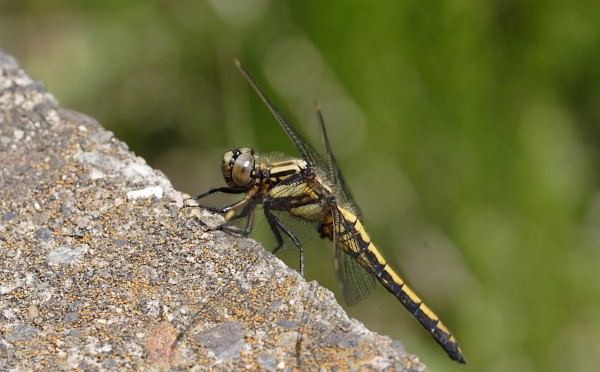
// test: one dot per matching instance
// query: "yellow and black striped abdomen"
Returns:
(354, 241)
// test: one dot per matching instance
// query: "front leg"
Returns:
(228, 210)
(240, 209)
(247, 212)
(225, 190)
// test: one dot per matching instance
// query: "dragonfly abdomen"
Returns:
(428, 319)
(369, 257)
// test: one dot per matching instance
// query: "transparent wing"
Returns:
(333, 171)
(306, 151)
(355, 280)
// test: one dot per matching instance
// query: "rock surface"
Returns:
(101, 266)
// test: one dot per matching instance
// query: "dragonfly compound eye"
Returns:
(237, 167)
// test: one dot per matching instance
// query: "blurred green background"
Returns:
(468, 131)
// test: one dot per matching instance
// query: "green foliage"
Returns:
(468, 131)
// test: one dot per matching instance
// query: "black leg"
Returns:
(228, 208)
(224, 189)
(273, 224)
(276, 227)
(247, 212)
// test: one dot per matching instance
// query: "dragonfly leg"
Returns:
(246, 201)
(247, 212)
(225, 190)
(277, 227)
(246, 204)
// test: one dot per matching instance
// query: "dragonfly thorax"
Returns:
(237, 167)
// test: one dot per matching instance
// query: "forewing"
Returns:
(355, 281)
(305, 150)
(333, 171)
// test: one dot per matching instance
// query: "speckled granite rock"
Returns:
(102, 268)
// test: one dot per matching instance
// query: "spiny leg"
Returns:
(224, 189)
(246, 201)
(247, 212)
(276, 227)
(229, 210)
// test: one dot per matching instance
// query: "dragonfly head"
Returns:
(238, 167)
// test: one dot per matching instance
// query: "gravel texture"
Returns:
(103, 268)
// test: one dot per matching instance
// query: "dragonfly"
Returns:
(311, 188)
